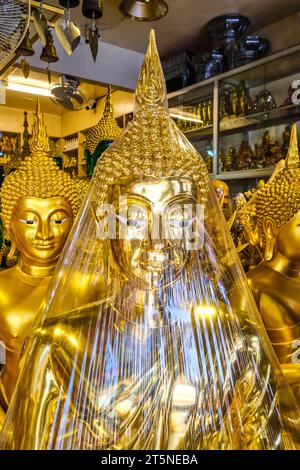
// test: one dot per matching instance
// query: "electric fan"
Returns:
(14, 22)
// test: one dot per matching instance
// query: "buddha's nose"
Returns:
(44, 232)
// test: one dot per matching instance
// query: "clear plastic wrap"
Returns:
(150, 338)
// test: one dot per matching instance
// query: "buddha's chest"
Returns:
(280, 311)
(19, 305)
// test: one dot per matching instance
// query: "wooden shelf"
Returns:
(245, 174)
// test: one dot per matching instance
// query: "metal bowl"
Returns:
(224, 29)
(253, 48)
(209, 64)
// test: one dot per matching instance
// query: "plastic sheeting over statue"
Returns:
(165, 348)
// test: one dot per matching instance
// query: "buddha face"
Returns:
(40, 228)
(155, 221)
(288, 239)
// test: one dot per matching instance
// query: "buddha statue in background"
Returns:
(160, 359)
(275, 282)
(223, 195)
(101, 136)
(39, 203)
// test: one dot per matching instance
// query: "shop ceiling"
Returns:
(183, 28)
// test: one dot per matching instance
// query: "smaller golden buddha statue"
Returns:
(204, 113)
(101, 136)
(235, 104)
(39, 203)
(229, 162)
(243, 98)
(245, 156)
(209, 112)
(223, 195)
(275, 282)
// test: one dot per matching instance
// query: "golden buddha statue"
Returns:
(39, 203)
(275, 282)
(223, 195)
(101, 136)
(159, 358)
(235, 103)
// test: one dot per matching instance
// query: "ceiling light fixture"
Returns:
(144, 10)
(30, 89)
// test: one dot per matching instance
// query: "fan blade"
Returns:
(41, 26)
(80, 99)
(93, 41)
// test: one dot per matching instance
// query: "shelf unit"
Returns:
(76, 154)
(276, 73)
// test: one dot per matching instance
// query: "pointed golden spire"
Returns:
(39, 143)
(108, 109)
(151, 86)
(292, 159)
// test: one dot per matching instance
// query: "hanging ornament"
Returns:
(25, 49)
(40, 23)
(93, 9)
(67, 32)
(94, 36)
(69, 3)
(49, 54)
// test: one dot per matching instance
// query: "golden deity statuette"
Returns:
(275, 282)
(223, 195)
(155, 355)
(39, 203)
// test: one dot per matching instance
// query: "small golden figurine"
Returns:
(199, 114)
(245, 156)
(205, 113)
(39, 203)
(230, 161)
(209, 112)
(223, 195)
(235, 104)
(275, 282)
(243, 98)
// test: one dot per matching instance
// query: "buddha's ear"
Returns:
(269, 227)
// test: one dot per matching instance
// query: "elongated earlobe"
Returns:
(269, 231)
(11, 254)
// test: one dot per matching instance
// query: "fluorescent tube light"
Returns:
(33, 90)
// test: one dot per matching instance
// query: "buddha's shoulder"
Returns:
(262, 277)
(7, 275)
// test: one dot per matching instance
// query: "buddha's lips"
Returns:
(41, 246)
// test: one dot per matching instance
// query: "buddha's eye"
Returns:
(59, 221)
(181, 223)
(29, 222)
(130, 222)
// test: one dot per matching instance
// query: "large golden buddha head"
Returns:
(39, 202)
(278, 208)
(154, 180)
